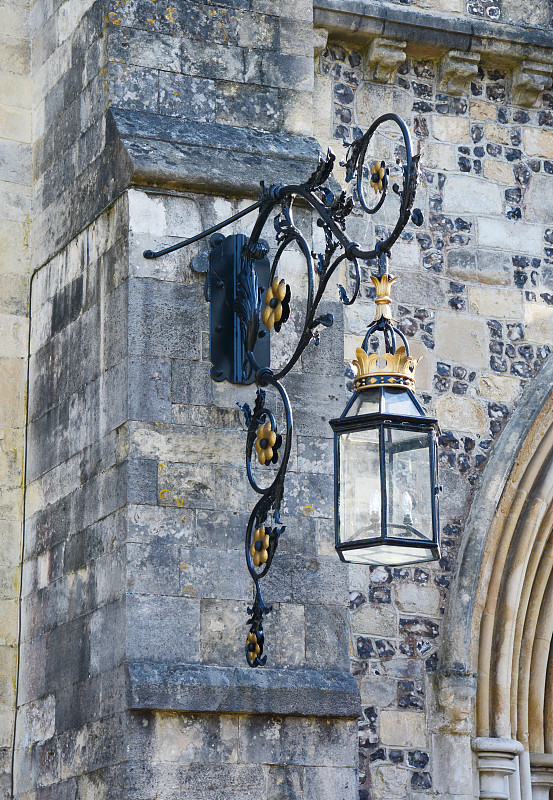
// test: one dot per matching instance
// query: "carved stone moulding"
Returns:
(457, 69)
(530, 78)
(384, 56)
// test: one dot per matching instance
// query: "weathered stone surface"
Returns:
(240, 690)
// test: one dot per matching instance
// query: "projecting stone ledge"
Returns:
(180, 154)
(240, 690)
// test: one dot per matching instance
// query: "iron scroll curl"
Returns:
(255, 308)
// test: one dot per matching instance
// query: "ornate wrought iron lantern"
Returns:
(385, 465)
(386, 509)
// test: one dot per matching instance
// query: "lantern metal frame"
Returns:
(261, 304)
(383, 421)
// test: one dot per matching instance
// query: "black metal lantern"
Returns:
(385, 467)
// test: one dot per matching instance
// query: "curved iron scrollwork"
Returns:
(271, 308)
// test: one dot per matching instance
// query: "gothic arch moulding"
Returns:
(499, 621)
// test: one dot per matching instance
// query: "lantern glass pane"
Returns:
(366, 402)
(360, 488)
(399, 401)
(408, 484)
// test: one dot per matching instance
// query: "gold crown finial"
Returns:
(398, 369)
(383, 300)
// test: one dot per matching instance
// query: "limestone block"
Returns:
(538, 142)
(417, 598)
(12, 391)
(403, 729)
(187, 444)
(440, 156)
(375, 621)
(461, 414)
(324, 782)
(6, 727)
(390, 781)
(495, 303)
(184, 738)
(15, 123)
(320, 37)
(465, 194)
(497, 133)
(499, 388)
(530, 78)
(510, 234)
(538, 320)
(383, 58)
(538, 198)
(498, 171)
(456, 71)
(460, 341)
(480, 110)
(37, 721)
(452, 759)
(483, 266)
(165, 629)
(382, 692)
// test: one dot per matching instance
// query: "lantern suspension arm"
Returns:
(250, 300)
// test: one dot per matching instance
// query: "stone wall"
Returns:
(474, 300)
(15, 215)
(132, 679)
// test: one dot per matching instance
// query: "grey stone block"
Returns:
(149, 389)
(134, 87)
(319, 580)
(165, 319)
(141, 480)
(243, 105)
(299, 692)
(153, 568)
(216, 574)
(161, 524)
(68, 654)
(285, 783)
(165, 629)
(219, 62)
(221, 529)
(116, 325)
(132, 47)
(180, 95)
(326, 636)
(77, 705)
(107, 642)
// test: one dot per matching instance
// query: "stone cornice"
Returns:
(360, 21)
(240, 690)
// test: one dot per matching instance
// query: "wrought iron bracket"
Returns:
(226, 343)
(250, 297)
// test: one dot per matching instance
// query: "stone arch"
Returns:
(499, 623)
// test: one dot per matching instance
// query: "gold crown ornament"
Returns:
(398, 369)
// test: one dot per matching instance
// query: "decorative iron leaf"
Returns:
(323, 171)
(248, 303)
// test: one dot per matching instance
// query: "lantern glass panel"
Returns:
(400, 402)
(366, 402)
(409, 490)
(361, 500)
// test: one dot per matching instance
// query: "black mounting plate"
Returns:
(226, 348)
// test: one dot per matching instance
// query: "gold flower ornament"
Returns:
(252, 647)
(259, 550)
(267, 444)
(277, 305)
(378, 176)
